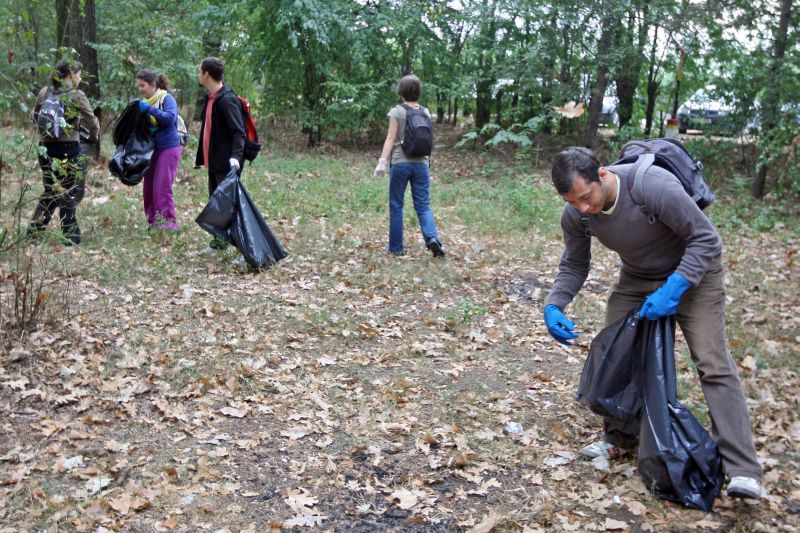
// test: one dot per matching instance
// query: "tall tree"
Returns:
(484, 75)
(631, 38)
(76, 25)
(771, 103)
(603, 62)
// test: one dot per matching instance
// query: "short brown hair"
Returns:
(214, 66)
(409, 88)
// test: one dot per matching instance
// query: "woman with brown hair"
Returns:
(162, 110)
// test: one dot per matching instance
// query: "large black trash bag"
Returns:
(611, 381)
(134, 144)
(231, 215)
(677, 458)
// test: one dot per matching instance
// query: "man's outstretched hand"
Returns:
(560, 327)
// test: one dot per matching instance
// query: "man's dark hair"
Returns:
(409, 88)
(214, 66)
(574, 160)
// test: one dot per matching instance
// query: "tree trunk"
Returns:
(310, 99)
(486, 80)
(455, 112)
(653, 84)
(483, 100)
(629, 70)
(212, 45)
(76, 27)
(499, 107)
(440, 98)
(601, 82)
(770, 104)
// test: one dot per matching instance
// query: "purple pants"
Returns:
(157, 194)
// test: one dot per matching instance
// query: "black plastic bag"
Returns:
(134, 145)
(132, 159)
(130, 121)
(231, 215)
(677, 458)
(612, 374)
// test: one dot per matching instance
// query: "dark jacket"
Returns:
(227, 132)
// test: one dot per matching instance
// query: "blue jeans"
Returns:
(400, 175)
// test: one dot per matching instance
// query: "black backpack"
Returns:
(50, 116)
(670, 155)
(418, 133)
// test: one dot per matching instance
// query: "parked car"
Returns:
(789, 113)
(705, 112)
(608, 115)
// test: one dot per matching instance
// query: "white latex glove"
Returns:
(380, 170)
(234, 163)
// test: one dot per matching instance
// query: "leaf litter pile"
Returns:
(348, 390)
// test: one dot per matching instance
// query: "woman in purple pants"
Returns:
(162, 109)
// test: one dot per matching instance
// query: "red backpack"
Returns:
(251, 145)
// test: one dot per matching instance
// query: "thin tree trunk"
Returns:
(770, 108)
(601, 83)
(653, 85)
(76, 27)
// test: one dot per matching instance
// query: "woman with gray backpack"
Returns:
(59, 111)
(407, 149)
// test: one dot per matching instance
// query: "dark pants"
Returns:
(215, 178)
(701, 317)
(64, 183)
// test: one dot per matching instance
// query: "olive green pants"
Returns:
(701, 317)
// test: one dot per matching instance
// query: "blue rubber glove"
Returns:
(664, 302)
(143, 106)
(560, 327)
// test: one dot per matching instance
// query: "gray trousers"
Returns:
(701, 317)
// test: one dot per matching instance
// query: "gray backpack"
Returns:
(50, 116)
(673, 157)
(668, 154)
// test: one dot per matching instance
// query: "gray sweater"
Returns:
(682, 238)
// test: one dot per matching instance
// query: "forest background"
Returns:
(327, 68)
(145, 386)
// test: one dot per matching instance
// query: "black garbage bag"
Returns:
(130, 121)
(677, 458)
(134, 144)
(231, 215)
(611, 381)
(132, 159)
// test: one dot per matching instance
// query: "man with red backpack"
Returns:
(222, 131)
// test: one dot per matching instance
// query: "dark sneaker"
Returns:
(436, 248)
(33, 233)
(72, 235)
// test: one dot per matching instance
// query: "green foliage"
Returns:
(465, 313)
(328, 68)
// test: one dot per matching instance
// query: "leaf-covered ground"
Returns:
(346, 389)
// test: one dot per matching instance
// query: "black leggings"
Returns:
(63, 168)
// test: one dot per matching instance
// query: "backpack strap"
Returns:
(638, 170)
